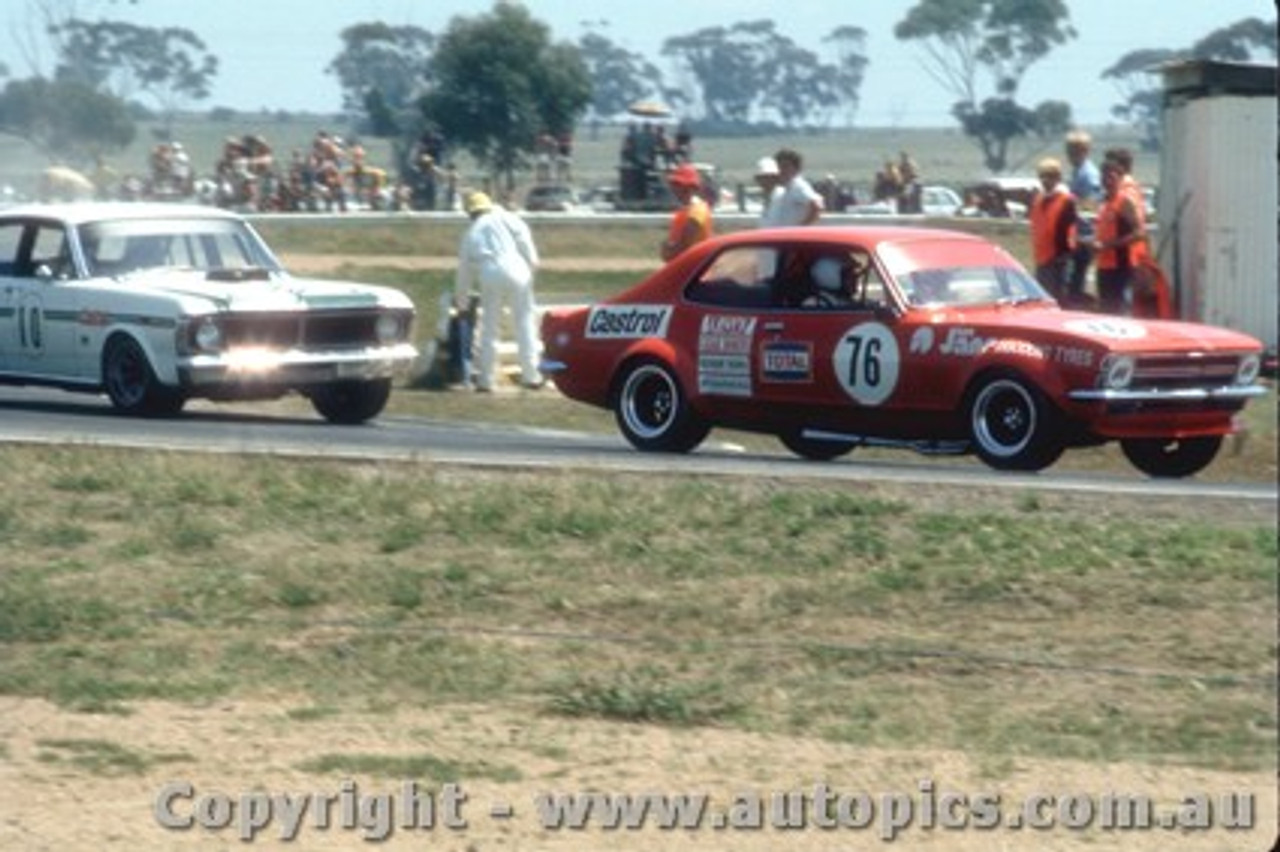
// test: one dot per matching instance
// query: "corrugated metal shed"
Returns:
(1218, 201)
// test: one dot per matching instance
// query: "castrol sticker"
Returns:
(622, 322)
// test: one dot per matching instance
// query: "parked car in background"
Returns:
(154, 304)
(940, 201)
(553, 198)
(1000, 197)
(837, 337)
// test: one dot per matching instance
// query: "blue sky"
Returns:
(273, 52)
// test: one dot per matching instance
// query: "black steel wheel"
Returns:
(1173, 458)
(1012, 425)
(653, 412)
(351, 403)
(131, 383)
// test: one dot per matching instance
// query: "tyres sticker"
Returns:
(867, 362)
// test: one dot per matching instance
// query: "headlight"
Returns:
(1117, 372)
(1247, 372)
(208, 336)
(387, 328)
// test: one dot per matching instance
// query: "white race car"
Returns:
(154, 304)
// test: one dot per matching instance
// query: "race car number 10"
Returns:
(866, 362)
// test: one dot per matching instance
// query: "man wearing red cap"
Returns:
(691, 223)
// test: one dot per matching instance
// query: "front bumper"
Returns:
(292, 368)
(1174, 396)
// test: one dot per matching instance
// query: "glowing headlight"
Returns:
(1117, 371)
(1247, 372)
(387, 328)
(208, 336)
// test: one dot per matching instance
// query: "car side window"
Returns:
(825, 280)
(732, 280)
(10, 242)
(49, 251)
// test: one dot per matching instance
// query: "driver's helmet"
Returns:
(827, 274)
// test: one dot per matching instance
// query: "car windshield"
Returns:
(970, 285)
(967, 272)
(124, 246)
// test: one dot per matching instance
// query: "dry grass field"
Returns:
(268, 626)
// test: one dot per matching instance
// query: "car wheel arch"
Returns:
(1019, 356)
(650, 347)
(110, 338)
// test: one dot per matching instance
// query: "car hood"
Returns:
(276, 291)
(1117, 334)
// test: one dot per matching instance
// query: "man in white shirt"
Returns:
(498, 253)
(798, 203)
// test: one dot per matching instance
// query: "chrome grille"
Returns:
(324, 330)
(1182, 371)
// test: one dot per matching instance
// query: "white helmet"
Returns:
(826, 273)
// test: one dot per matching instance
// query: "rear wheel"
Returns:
(351, 402)
(652, 411)
(1173, 458)
(813, 449)
(131, 383)
(1012, 425)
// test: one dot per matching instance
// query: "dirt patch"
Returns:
(242, 747)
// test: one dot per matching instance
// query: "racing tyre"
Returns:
(1012, 425)
(653, 412)
(351, 402)
(1174, 458)
(814, 450)
(131, 383)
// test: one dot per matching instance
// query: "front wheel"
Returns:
(1012, 425)
(815, 450)
(1173, 458)
(131, 383)
(351, 402)
(652, 411)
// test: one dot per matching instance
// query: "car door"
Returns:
(11, 353)
(53, 308)
(832, 348)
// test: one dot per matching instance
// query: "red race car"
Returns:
(835, 337)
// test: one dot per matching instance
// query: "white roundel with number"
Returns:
(867, 362)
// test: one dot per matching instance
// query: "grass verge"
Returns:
(869, 614)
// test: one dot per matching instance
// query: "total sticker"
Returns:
(867, 363)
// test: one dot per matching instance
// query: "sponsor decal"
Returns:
(726, 334)
(724, 354)
(1073, 356)
(963, 342)
(725, 375)
(867, 363)
(93, 318)
(921, 341)
(624, 322)
(1113, 327)
(1021, 348)
(786, 361)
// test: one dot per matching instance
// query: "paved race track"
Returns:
(50, 416)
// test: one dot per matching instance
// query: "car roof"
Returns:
(868, 236)
(82, 212)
